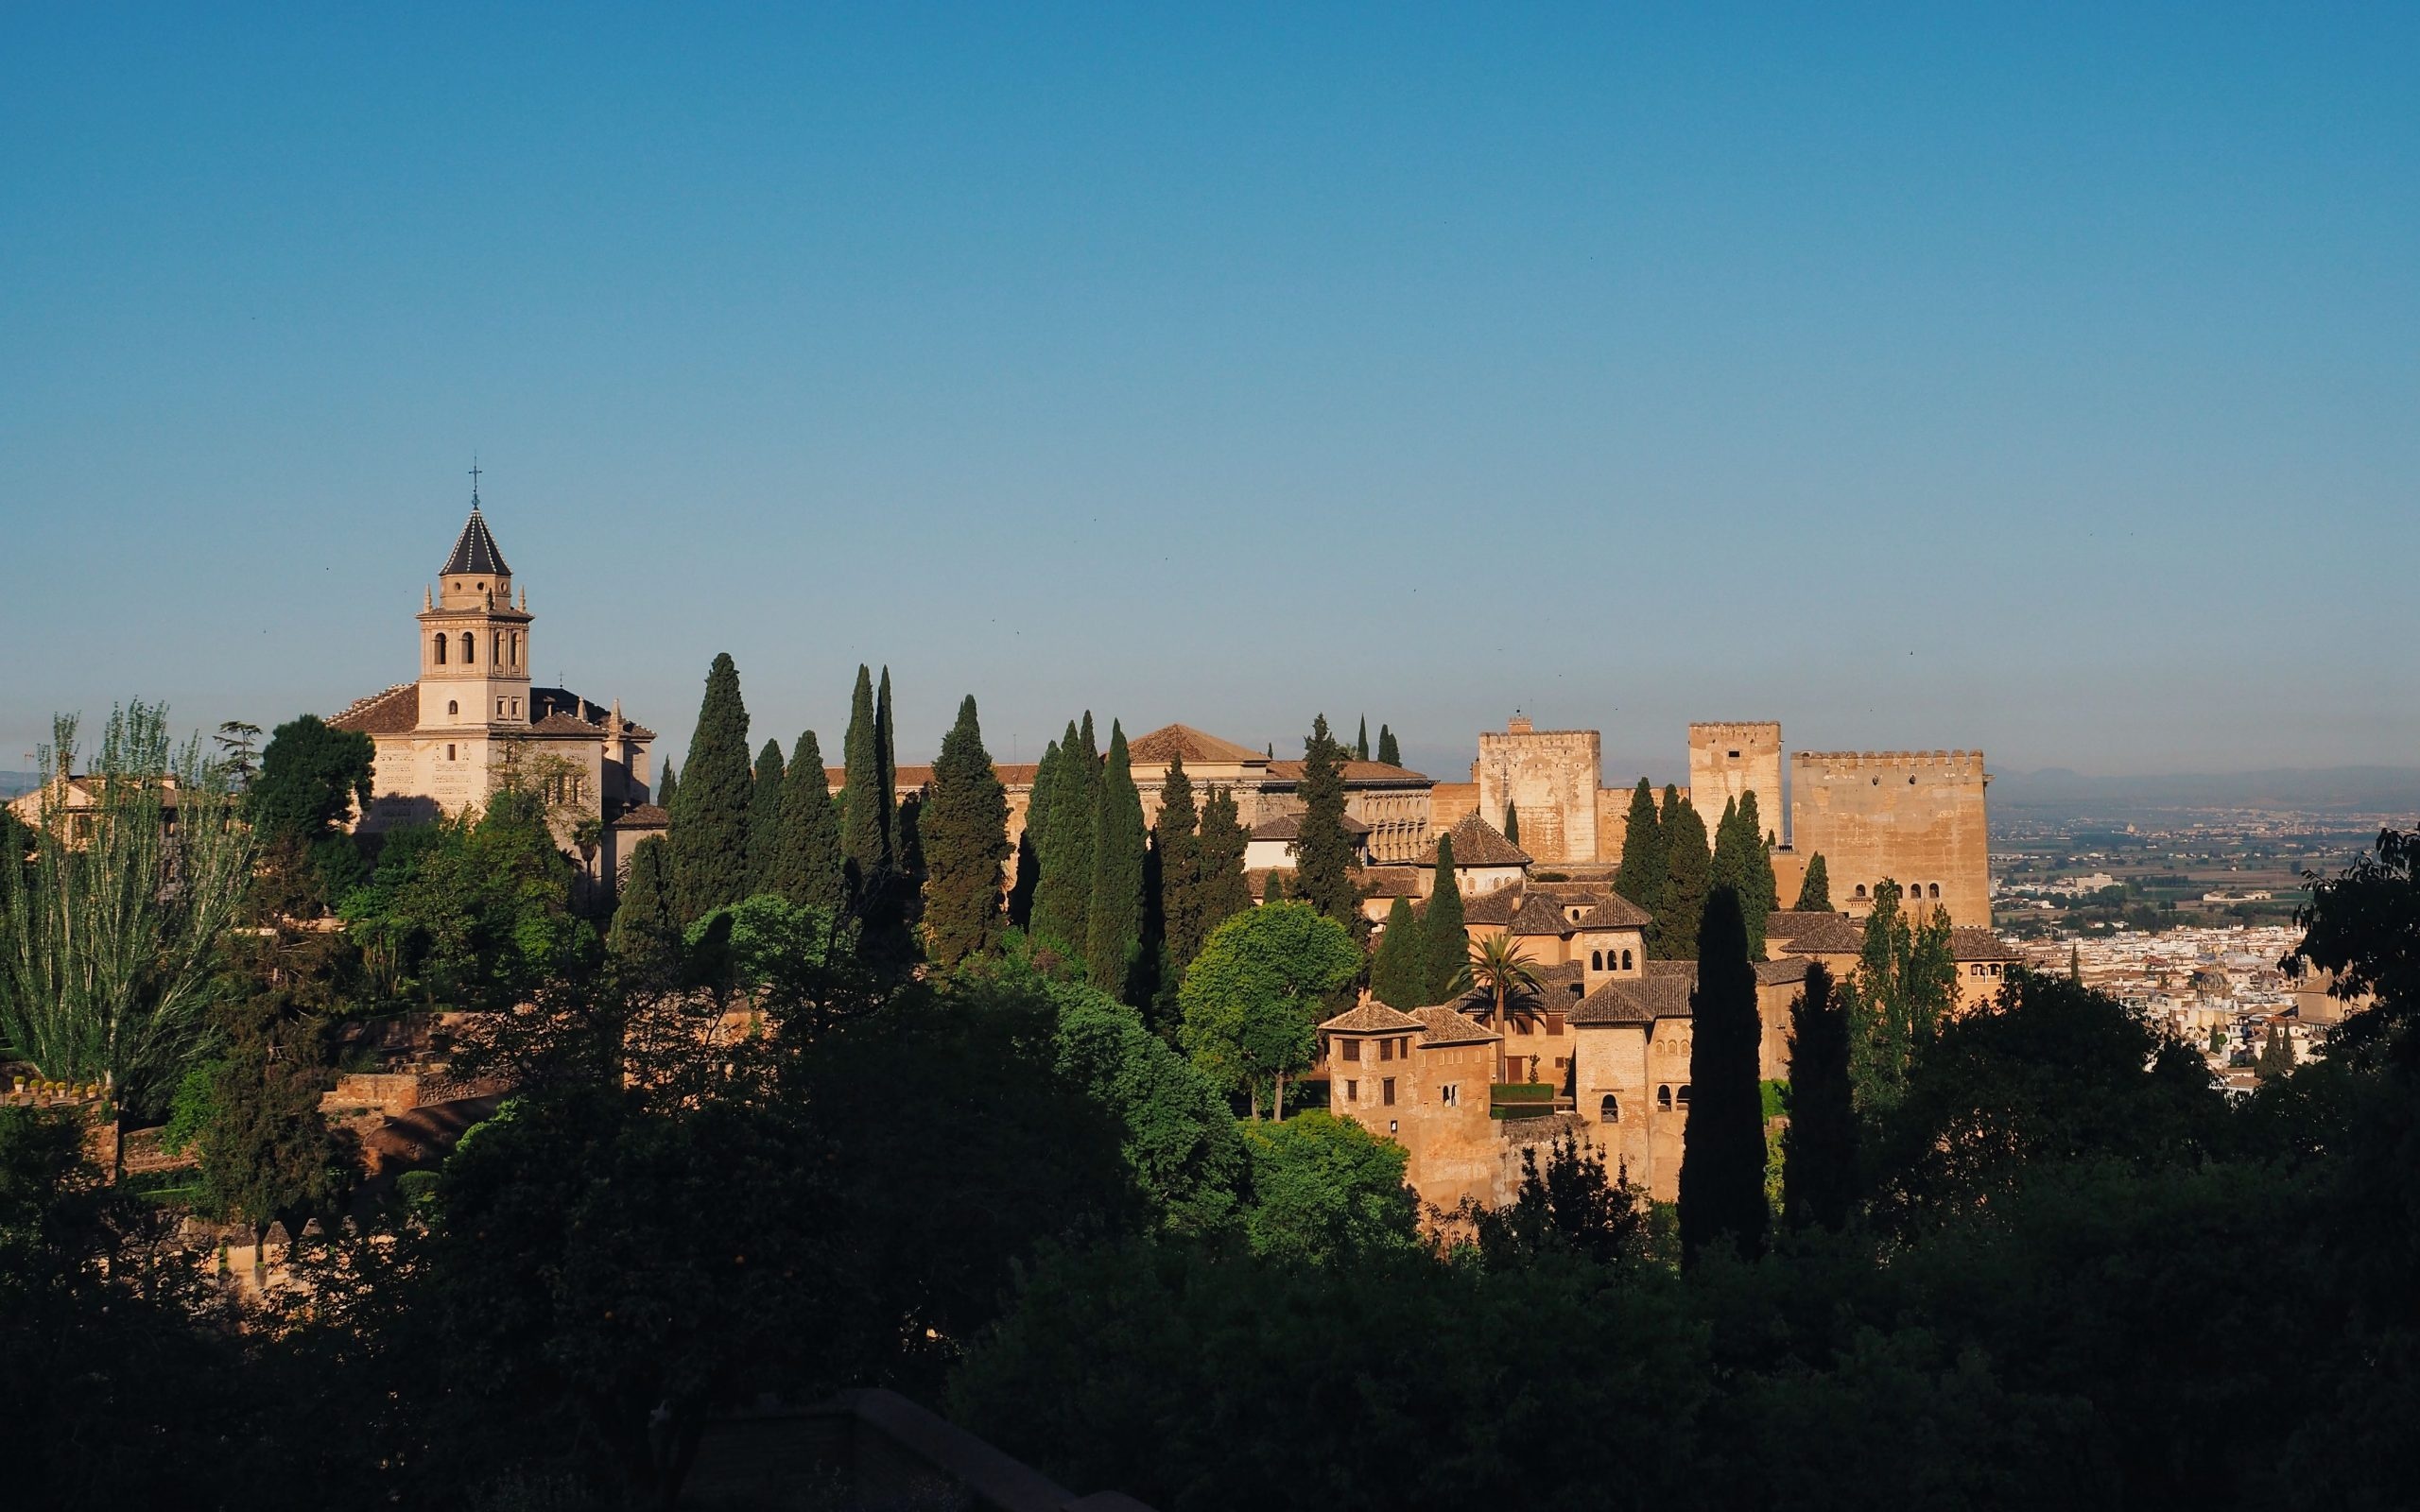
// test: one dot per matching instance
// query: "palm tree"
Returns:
(1499, 969)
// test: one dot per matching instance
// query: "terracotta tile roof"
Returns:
(1975, 943)
(1355, 772)
(1559, 983)
(1539, 915)
(1169, 742)
(642, 816)
(1787, 924)
(1390, 882)
(474, 551)
(1684, 970)
(1013, 775)
(1442, 1025)
(1290, 827)
(395, 712)
(1491, 907)
(1633, 1000)
(1837, 937)
(1372, 1017)
(1617, 912)
(1789, 969)
(1477, 843)
(561, 704)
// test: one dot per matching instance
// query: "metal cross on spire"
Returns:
(475, 480)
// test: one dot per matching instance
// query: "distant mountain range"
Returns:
(12, 783)
(2317, 789)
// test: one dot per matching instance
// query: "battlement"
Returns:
(1954, 762)
(1736, 729)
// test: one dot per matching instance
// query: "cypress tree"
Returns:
(1399, 973)
(1763, 894)
(1722, 1146)
(806, 852)
(1687, 865)
(964, 829)
(2075, 964)
(1037, 814)
(1441, 934)
(1389, 752)
(1176, 848)
(1643, 874)
(765, 818)
(1224, 892)
(865, 850)
(1512, 822)
(666, 787)
(1063, 901)
(1815, 891)
(1323, 852)
(886, 758)
(646, 926)
(1818, 1176)
(1271, 889)
(1361, 740)
(1115, 933)
(1736, 849)
(709, 828)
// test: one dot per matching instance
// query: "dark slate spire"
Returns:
(475, 552)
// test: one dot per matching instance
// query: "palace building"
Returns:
(472, 721)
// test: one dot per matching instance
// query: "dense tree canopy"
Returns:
(1254, 994)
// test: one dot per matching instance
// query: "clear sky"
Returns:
(2043, 380)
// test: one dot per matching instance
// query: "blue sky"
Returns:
(2040, 379)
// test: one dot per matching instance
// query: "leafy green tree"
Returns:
(1723, 1158)
(965, 830)
(1512, 822)
(1063, 903)
(1819, 1148)
(268, 1155)
(2363, 925)
(1250, 1001)
(667, 787)
(1323, 852)
(1389, 752)
(765, 818)
(311, 778)
(1361, 740)
(1815, 891)
(1180, 1140)
(865, 804)
(238, 743)
(1225, 892)
(1443, 933)
(1323, 1187)
(807, 850)
(109, 937)
(709, 828)
(1905, 984)
(1570, 1205)
(1688, 868)
(1645, 875)
(646, 926)
(1114, 929)
(1399, 970)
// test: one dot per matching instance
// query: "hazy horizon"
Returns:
(2042, 382)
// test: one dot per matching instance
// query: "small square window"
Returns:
(1353, 1050)
(1351, 1091)
(1387, 1091)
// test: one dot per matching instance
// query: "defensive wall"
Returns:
(1731, 759)
(1551, 776)
(1915, 818)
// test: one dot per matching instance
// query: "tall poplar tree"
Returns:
(1443, 935)
(1399, 970)
(1819, 1174)
(1687, 865)
(666, 787)
(1361, 740)
(1322, 852)
(807, 850)
(1225, 891)
(865, 846)
(765, 818)
(709, 826)
(1644, 876)
(1176, 849)
(1114, 934)
(1063, 901)
(1389, 752)
(1815, 889)
(964, 829)
(1722, 1146)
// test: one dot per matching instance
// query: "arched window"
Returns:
(1683, 1097)
(1932, 889)
(452, 707)
(440, 649)
(1626, 960)
(1596, 960)
(499, 657)
(514, 641)
(1609, 1111)
(470, 648)
(1663, 1098)
(1861, 889)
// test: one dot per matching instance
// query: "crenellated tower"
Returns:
(474, 641)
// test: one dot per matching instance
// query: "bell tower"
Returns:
(474, 642)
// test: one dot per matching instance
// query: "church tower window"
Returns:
(470, 647)
(440, 649)
(453, 706)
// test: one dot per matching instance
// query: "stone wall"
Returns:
(1730, 759)
(1550, 775)
(1916, 817)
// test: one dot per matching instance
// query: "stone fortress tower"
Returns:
(1729, 760)
(1551, 776)
(1914, 816)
